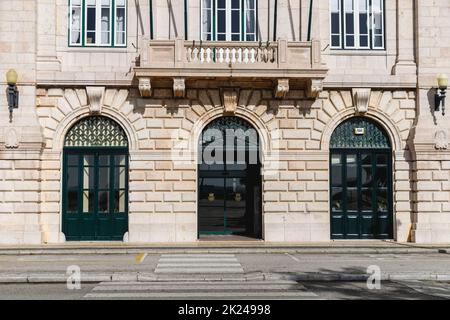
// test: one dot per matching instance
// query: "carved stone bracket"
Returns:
(361, 98)
(315, 86)
(179, 87)
(11, 139)
(95, 95)
(230, 100)
(145, 87)
(441, 140)
(282, 88)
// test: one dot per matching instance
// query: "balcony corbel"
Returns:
(282, 88)
(179, 87)
(145, 87)
(315, 86)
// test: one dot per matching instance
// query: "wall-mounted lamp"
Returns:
(11, 92)
(442, 80)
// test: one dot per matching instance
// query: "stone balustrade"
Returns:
(224, 52)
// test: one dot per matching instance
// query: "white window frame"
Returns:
(339, 12)
(125, 32)
(345, 34)
(243, 11)
(382, 12)
(80, 6)
(254, 12)
(203, 33)
(113, 32)
(98, 25)
(370, 26)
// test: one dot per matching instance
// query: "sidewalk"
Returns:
(341, 246)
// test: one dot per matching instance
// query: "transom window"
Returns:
(357, 24)
(229, 20)
(97, 23)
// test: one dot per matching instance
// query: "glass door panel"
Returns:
(235, 205)
(95, 195)
(211, 205)
(361, 196)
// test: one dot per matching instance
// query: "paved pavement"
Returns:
(227, 246)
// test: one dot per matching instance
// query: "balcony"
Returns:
(280, 61)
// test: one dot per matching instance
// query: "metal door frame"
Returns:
(96, 151)
(358, 152)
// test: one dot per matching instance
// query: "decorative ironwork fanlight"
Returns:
(96, 131)
(359, 132)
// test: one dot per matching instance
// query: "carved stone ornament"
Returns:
(95, 95)
(282, 88)
(441, 140)
(145, 87)
(11, 139)
(230, 100)
(315, 86)
(361, 98)
(179, 88)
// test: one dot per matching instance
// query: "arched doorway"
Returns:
(361, 181)
(95, 181)
(229, 179)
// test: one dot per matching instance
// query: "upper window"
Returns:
(229, 20)
(357, 24)
(97, 23)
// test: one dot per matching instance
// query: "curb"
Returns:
(149, 277)
(106, 251)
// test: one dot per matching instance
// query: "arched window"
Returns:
(95, 181)
(361, 181)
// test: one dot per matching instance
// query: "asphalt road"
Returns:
(417, 290)
(179, 276)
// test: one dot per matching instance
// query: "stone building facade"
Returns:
(350, 144)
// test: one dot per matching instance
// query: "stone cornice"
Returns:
(244, 72)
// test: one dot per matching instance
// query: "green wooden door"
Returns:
(95, 181)
(361, 181)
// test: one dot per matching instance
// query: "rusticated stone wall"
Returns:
(163, 134)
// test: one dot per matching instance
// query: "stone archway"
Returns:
(229, 179)
(95, 181)
(361, 196)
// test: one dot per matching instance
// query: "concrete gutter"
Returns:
(8, 278)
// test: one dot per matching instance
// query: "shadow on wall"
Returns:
(304, 107)
(431, 95)
(172, 20)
